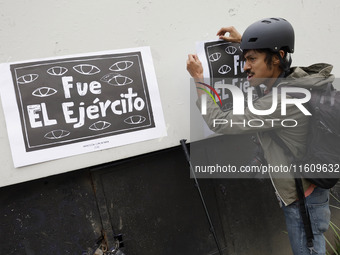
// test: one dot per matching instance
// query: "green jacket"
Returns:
(295, 137)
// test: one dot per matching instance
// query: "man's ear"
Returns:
(276, 60)
(282, 53)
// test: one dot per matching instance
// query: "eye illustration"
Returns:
(57, 134)
(57, 70)
(116, 79)
(231, 50)
(121, 65)
(86, 69)
(99, 125)
(214, 57)
(224, 69)
(135, 119)
(44, 92)
(27, 78)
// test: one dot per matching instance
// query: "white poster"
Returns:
(64, 106)
(222, 64)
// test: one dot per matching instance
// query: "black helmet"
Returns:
(271, 33)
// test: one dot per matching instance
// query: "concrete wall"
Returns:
(47, 28)
(150, 199)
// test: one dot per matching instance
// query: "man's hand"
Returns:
(234, 35)
(194, 66)
(195, 69)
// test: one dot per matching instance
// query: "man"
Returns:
(267, 45)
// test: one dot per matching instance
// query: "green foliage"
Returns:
(336, 231)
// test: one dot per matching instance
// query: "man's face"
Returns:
(258, 72)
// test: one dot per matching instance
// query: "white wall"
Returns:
(46, 28)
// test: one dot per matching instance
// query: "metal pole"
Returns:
(212, 229)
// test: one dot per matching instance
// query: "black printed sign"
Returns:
(226, 67)
(77, 99)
